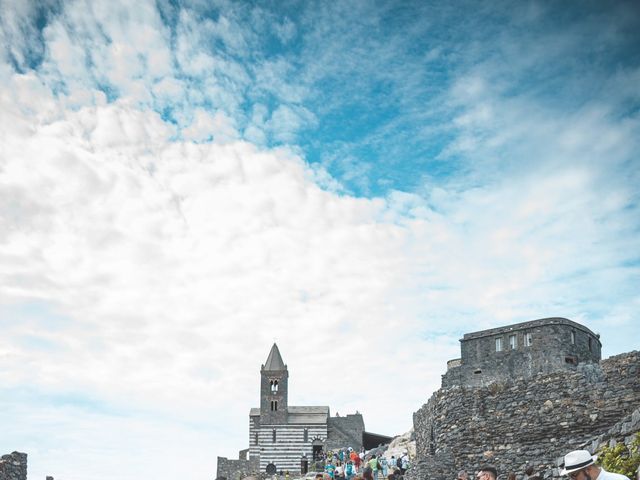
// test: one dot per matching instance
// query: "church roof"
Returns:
(309, 410)
(305, 415)
(274, 360)
(302, 415)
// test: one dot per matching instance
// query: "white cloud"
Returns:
(287, 121)
(172, 259)
(205, 126)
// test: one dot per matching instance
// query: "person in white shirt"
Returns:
(580, 465)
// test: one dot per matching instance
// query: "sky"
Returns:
(362, 182)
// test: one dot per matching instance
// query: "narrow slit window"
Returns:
(274, 435)
(528, 339)
(306, 435)
(573, 337)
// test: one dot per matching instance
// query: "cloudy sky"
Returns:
(182, 183)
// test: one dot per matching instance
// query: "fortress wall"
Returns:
(515, 423)
(231, 469)
(345, 432)
(13, 466)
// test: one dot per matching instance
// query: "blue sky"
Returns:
(182, 183)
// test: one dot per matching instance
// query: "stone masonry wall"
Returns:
(622, 432)
(551, 349)
(345, 432)
(231, 469)
(521, 422)
(13, 466)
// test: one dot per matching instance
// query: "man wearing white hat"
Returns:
(580, 465)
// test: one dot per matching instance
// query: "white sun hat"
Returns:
(577, 460)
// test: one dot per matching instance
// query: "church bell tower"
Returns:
(274, 389)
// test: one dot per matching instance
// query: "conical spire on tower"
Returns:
(274, 360)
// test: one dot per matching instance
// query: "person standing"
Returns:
(330, 469)
(580, 465)
(357, 463)
(385, 467)
(349, 470)
(373, 463)
(404, 465)
(528, 472)
(487, 473)
(392, 463)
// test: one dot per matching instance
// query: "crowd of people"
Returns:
(347, 464)
(578, 465)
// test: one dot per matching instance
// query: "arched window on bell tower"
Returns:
(274, 386)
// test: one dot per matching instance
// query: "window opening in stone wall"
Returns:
(256, 438)
(432, 443)
(306, 435)
(477, 371)
(499, 344)
(275, 404)
(273, 435)
(528, 339)
(573, 337)
(571, 360)
(272, 405)
(513, 342)
(274, 386)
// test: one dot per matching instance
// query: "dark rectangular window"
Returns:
(528, 339)
(274, 435)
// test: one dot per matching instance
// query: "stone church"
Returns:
(284, 437)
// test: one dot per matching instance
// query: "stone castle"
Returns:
(288, 438)
(524, 395)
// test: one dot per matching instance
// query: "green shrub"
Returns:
(620, 459)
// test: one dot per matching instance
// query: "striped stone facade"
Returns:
(289, 447)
